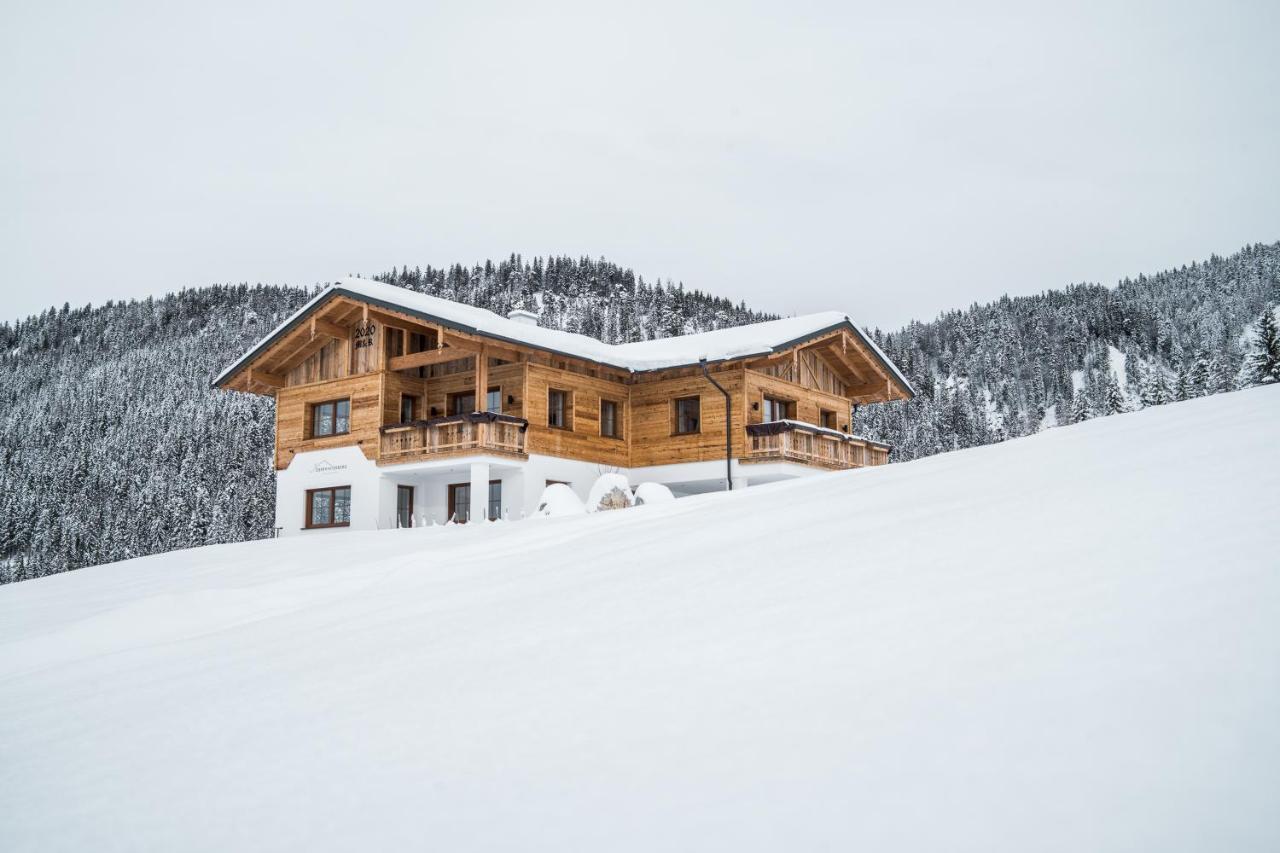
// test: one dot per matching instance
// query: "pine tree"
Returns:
(1262, 364)
(1080, 408)
(1113, 399)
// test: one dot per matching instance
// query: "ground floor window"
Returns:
(460, 501)
(329, 507)
(495, 500)
(404, 506)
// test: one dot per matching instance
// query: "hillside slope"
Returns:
(1063, 642)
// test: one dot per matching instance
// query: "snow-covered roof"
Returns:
(753, 340)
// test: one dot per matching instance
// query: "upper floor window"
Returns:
(559, 409)
(408, 408)
(610, 427)
(493, 401)
(332, 417)
(462, 403)
(686, 416)
(827, 418)
(329, 507)
(778, 410)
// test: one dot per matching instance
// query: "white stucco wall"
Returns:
(373, 489)
(340, 466)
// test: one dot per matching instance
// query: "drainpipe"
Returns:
(728, 425)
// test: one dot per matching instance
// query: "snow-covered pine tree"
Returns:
(1113, 398)
(1262, 362)
(1080, 407)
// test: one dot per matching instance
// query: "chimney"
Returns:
(520, 315)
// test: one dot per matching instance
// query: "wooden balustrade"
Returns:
(796, 442)
(478, 433)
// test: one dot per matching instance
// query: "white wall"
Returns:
(339, 466)
(373, 489)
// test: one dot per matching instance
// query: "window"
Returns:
(687, 413)
(495, 500)
(395, 342)
(778, 410)
(460, 501)
(559, 409)
(493, 401)
(417, 342)
(462, 403)
(408, 408)
(610, 427)
(404, 506)
(331, 418)
(827, 418)
(329, 507)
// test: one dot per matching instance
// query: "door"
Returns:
(404, 506)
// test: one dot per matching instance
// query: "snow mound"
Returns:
(559, 500)
(1062, 642)
(609, 491)
(653, 493)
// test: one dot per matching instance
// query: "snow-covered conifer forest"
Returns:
(113, 445)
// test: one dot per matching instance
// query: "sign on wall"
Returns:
(364, 333)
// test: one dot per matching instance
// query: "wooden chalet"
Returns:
(394, 408)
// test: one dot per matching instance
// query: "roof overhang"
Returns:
(338, 291)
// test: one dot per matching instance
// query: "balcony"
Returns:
(795, 441)
(478, 432)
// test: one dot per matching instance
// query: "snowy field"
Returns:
(1067, 642)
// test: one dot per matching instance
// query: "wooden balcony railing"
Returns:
(795, 441)
(478, 432)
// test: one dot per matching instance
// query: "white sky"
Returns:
(889, 161)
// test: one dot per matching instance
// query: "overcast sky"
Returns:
(888, 161)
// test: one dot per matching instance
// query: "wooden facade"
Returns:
(414, 388)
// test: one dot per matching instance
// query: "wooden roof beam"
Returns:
(330, 329)
(427, 357)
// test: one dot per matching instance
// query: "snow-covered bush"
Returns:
(559, 500)
(653, 493)
(610, 491)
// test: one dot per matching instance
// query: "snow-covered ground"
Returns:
(1065, 642)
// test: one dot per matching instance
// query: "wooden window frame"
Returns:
(451, 507)
(491, 390)
(567, 411)
(454, 395)
(413, 407)
(412, 490)
(311, 417)
(835, 420)
(616, 435)
(333, 506)
(789, 407)
(675, 415)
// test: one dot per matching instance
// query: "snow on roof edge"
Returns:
(681, 351)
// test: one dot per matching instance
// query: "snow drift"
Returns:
(1065, 642)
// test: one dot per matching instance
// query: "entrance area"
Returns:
(460, 501)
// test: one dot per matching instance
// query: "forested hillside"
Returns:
(1015, 366)
(113, 445)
